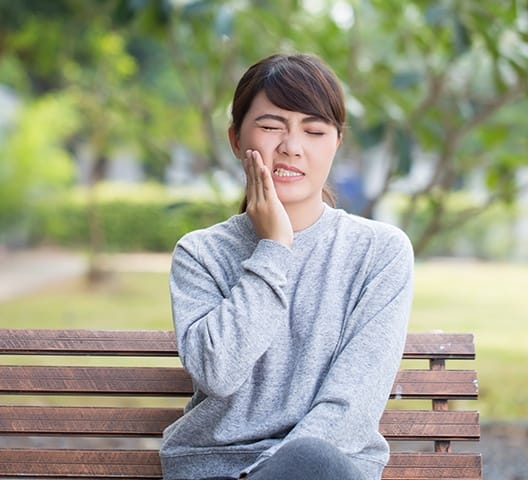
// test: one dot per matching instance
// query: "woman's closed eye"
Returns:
(271, 128)
(315, 127)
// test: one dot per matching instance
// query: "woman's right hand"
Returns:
(268, 215)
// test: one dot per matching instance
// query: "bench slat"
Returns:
(127, 421)
(95, 380)
(430, 425)
(162, 343)
(442, 384)
(145, 464)
(438, 384)
(98, 421)
(80, 463)
(88, 342)
(424, 466)
(465, 466)
(440, 345)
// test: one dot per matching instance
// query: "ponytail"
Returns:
(329, 196)
(243, 204)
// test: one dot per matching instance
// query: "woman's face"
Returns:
(297, 148)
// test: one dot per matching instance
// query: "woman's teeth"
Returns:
(281, 172)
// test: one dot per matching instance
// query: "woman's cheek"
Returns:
(262, 142)
(266, 152)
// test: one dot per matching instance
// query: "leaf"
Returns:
(461, 38)
(437, 14)
(403, 144)
(224, 21)
(405, 80)
(372, 136)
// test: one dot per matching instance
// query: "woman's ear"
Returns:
(233, 140)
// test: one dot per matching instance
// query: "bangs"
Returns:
(315, 98)
(297, 83)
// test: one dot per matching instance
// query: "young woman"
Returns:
(290, 317)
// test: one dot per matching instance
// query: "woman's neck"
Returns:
(303, 215)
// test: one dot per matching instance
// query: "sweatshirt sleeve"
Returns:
(221, 334)
(347, 408)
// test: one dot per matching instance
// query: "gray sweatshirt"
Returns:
(286, 343)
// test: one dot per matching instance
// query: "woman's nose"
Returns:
(290, 145)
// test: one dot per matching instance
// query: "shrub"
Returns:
(132, 219)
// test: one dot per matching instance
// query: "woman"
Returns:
(290, 317)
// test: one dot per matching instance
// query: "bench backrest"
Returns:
(84, 403)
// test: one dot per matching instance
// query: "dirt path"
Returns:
(504, 448)
(24, 271)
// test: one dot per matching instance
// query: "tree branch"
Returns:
(436, 85)
(388, 144)
(490, 108)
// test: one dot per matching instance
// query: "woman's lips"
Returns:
(287, 173)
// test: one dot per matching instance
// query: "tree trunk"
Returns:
(96, 270)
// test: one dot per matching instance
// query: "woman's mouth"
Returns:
(286, 171)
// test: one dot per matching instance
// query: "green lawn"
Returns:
(126, 302)
(490, 300)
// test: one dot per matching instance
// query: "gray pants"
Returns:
(305, 459)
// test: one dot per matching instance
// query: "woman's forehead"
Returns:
(262, 107)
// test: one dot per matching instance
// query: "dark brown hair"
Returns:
(299, 83)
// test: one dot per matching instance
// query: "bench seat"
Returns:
(50, 381)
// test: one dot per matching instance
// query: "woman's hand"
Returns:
(264, 208)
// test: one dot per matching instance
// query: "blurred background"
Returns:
(113, 120)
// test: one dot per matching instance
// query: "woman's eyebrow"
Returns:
(313, 118)
(271, 116)
(279, 118)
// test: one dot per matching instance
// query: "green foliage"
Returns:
(132, 219)
(34, 159)
(13, 74)
(438, 78)
(468, 231)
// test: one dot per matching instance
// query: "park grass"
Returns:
(491, 301)
(487, 299)
(126, 301)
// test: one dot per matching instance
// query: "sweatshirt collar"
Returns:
(302, 237)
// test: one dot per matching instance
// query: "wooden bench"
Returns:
(50, 406)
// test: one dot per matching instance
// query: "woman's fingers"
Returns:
(263, 205)
(260, 175)
(249, 168)
(256, 174)
(268, 187)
